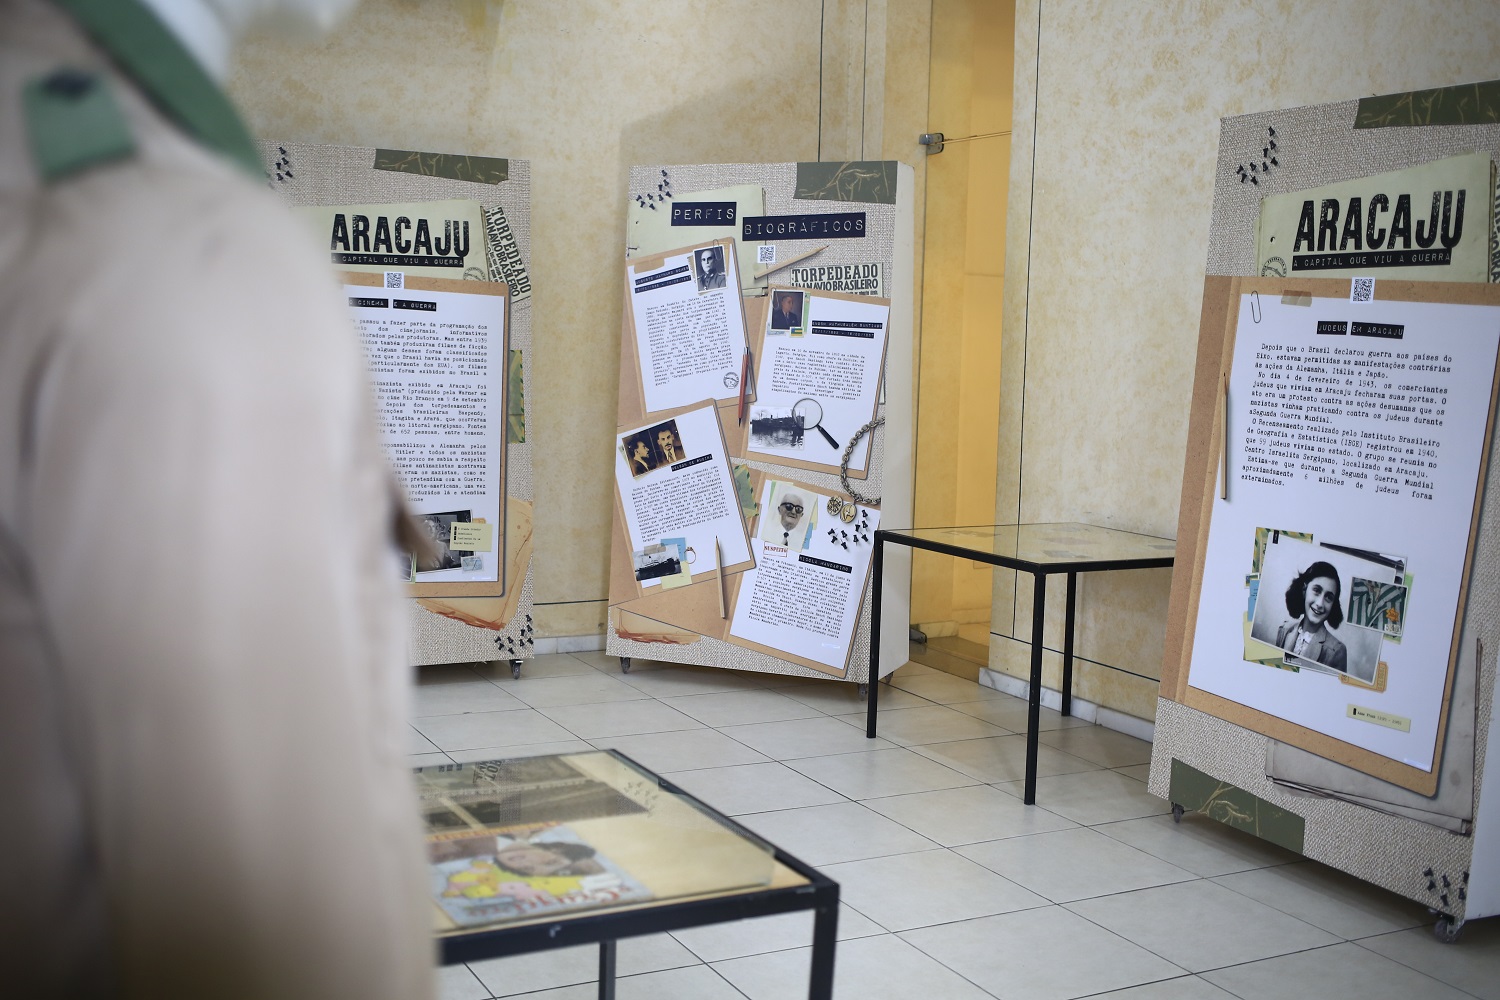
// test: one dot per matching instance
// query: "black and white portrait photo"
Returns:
(708, 268)
(1302, 605)
(640, 453)
(792, 517)
(668, 442)
(786, 310)
(652, 448)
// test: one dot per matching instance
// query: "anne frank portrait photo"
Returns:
(1301, 605)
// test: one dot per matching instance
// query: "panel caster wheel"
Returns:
(1177, 812)
(515, 669)
(1446, 929)
(624, 664)
(864, 691)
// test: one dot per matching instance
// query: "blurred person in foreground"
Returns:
(203, 791)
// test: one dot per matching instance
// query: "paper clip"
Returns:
(1255, 306)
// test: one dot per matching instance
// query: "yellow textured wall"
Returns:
(584, 89)
(962, 280)
(1117, 107)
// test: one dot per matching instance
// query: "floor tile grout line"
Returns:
(1135, 944)
(1167, 979)
(1347, 940)
(737, 990)
(489, 994)
(944, 966)
(923, 952)
(1217, 968)
(1359, 943)
(1306, 951)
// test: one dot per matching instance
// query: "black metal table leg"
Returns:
(1067, 677)
(1034, 702)
(825, 940)
(876, 576)
(606, 970)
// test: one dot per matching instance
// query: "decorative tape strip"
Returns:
(872, 181)
(1221, 801)
(1468, 104)
(515, 406)
(454, 166)
(749, 506)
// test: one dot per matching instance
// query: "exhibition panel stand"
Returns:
(434, 250)
(1043, 550)
(1330, 667)
(764, 426)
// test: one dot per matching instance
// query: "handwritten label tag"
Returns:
(474, 536)
(1379, 718)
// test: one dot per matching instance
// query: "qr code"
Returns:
(1362, 290)
(765, 253)
(395, 279)
(472, 564)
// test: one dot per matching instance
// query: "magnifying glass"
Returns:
(808, 414)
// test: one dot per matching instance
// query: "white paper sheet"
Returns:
(818, 383)
(438, 363)
(804, 595)
(674, 482)
(689, 327)
(1372, 442)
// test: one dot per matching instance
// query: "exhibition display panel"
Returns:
(433, 250)
(765, 415)
(1330, 661)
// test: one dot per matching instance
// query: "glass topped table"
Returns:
(545, 852)
(1042, 550)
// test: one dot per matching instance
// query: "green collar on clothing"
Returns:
(152, 56)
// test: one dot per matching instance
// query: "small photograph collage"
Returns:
(653, 448)
(441, 554)
(1323, 607)
(668, 562)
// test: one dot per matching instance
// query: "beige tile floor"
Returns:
(952, 888)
